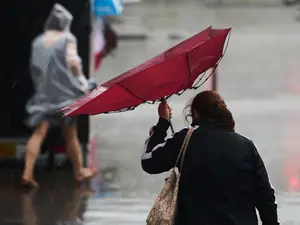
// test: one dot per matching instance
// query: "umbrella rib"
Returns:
(220, 59)
(188, 64)
(130, 92)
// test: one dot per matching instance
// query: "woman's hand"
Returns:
(164, 110)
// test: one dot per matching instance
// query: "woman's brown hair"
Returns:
(209, 105)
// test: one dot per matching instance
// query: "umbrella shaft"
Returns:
(172, 128)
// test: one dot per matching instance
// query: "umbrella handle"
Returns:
(171, 125)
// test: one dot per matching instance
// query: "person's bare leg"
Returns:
(32, 150)
(74, 152)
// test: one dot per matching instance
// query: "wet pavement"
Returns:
(259, 78)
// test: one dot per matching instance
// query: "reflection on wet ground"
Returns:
(57, 201)
(60, 200)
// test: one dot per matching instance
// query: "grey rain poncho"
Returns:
(56, 85)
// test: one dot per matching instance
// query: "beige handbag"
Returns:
(164, 208)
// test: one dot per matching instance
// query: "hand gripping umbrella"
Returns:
(169, 73)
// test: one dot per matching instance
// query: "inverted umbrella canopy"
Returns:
(171, 72)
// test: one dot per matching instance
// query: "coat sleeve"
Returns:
(160, 154)
(264, 193)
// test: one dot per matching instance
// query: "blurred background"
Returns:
(259, 77)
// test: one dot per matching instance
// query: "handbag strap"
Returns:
(184, 147)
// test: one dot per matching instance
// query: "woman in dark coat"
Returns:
(223, 179)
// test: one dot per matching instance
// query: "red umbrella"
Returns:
(171, 72)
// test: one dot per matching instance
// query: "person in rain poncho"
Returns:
(58, 79)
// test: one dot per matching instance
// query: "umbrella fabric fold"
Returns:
(169, 73)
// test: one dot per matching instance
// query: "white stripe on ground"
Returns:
(119, 209)
(124, 208)
(117, 215)
(120, 200)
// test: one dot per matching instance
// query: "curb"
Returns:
(144, 36)
(133, 37)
